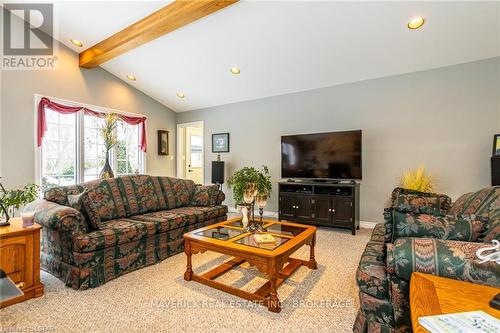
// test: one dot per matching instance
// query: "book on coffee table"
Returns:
(264, 239)
(464, 322)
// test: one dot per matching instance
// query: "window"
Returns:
(73, 150)
(196, 151)
(59, 147)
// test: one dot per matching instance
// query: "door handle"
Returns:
(190, 170)
(333, 210)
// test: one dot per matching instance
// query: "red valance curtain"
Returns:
(65, 109)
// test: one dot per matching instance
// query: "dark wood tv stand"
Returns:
(320, 203)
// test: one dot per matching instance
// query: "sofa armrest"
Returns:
(220, 197)
(447, 258)
(207, 195)
(58, 217)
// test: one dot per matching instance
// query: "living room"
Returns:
(301, 165)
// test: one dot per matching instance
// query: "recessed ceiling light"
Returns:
(235, 70)
(131, 77)
(180, 95)
(416, 23)
(76, 42)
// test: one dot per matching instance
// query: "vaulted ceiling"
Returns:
(283, 46)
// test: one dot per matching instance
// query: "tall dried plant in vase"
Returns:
(418, 180)
(108, 134)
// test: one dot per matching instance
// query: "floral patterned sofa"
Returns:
(424, 233)
(142, 221)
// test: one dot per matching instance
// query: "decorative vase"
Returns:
(107, 172)
(244, 215)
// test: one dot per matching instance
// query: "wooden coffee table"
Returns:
(274, 260)
(434, 295)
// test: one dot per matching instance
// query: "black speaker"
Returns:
(495, 170)
(217, 172)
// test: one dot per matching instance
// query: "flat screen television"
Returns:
(334, 155)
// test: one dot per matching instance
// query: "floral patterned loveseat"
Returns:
(142, 221)
(424, 233)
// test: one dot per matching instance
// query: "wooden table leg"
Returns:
(273, 302)
(188, 275)
(312, 260)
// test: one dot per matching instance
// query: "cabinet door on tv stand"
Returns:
(342, 211)
(287, 206)
(304, 208)
(323, 210)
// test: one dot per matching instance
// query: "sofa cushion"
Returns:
(82, 203)
(447, 258)
(112, 233)
(492, 232)
(485, 202)
(371, 274)
(104, 193)
(203, 213)
(405, 199)
(178, 192)
(205, 195)
(106, 198)
(463, 228)
(141, 194)
(165, 220)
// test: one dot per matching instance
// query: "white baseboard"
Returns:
(271, 214)
(367, 225)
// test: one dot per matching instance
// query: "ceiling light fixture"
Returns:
(416, 23)
(76, 42)
(180, 95)
(235, 70)
(131, 77)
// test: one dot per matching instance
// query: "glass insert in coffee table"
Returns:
(233, 231)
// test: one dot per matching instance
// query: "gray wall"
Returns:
(91, 86)
(443, 118)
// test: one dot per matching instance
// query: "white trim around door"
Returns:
(180, 142)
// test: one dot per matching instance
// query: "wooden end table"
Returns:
(229, 238)
(434, 295)
(20, 259)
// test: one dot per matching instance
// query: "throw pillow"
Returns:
(405, 199)
(83, 203)
(449, 227)
(205, 195)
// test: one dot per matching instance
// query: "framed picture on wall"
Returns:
(162, 142)
(220, 143)
(496, 145)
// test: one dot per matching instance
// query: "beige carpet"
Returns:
(157, 299)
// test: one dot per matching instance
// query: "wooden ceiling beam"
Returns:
(171, 17)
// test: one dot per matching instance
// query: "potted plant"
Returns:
(108, 133)
(248, 185)
(418, 180)
(247, 176)
(11, 200)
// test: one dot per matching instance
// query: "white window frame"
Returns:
(79, 133)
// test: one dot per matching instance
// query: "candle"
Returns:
(28, 219)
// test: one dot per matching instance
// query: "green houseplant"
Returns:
(16, 198)
(239, 181)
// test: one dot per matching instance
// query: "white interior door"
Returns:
(194, 154)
